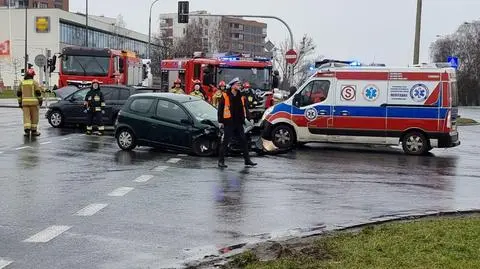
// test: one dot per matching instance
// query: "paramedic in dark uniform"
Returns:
(232, 112)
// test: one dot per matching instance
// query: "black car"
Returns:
(70, 110)
(171, 121)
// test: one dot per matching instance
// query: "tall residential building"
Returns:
(219, 34)
(60, 4)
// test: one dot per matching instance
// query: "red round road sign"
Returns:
(291, 56)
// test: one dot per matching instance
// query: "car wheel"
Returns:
(126, 139)
(56, 119)
(283, 136)
(204, 147)
(415, 143)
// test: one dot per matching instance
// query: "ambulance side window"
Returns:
(315, 92)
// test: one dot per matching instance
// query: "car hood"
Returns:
(63, 93)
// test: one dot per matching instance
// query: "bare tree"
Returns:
(191, 42)
(465, 44)
(305, 50)
(220, 36)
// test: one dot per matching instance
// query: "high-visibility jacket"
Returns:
(197, 94)
(227, 114)
(29, 93)
(95, 100)
(177, 90)
(216, 98)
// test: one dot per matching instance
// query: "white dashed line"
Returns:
(120, 191)
(174, 160)
(65, 138)
(4, 263)
(182, 155)
(20, 148)
(160, 168)
(143, 178)
(47, 234)
(45, 143)
(90, 210)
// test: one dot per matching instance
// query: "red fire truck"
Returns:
(81, 65)
(210, 71)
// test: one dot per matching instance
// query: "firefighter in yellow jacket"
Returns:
(30, 99)
(219, 93)
(177, 87)
(197, 89)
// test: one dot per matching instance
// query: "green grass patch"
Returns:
(8, 94)
(430, 243)
(466, 121)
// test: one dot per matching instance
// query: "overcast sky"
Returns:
(342, 29)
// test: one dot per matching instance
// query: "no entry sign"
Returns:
(291, 56)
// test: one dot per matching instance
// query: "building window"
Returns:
(206, 22)
(206, 31)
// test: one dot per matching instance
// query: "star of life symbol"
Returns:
(419, 93)
(370, 93)
(311, 114)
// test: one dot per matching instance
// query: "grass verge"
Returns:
(7, 94)
(446, 242)
(466, 122)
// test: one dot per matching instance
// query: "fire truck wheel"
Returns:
(56, 119)
(126, 139)
(415, 143)
(204, 147)
(283, 136)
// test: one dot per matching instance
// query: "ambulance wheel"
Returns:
(126, 139)
(56, 119)
(283, 136)
(415, 143)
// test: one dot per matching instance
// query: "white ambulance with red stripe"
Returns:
(413, 106)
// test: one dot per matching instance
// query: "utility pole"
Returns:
(418, 27)
(86, 23)
(150, 30)
(26, 36)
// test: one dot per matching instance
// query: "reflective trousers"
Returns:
(30, 117)
(95, 118)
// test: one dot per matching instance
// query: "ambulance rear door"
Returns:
(359, 114)
(312, 109)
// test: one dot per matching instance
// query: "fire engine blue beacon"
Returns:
(311, 113)
(419, 93)
(370, 93)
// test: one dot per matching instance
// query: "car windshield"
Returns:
(201, 110)
(85, 65)
(259, 78)
(65, 91)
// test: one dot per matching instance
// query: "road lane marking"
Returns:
(160, 168)
(143, 178)
(120, 191)
(47, 234)
(65, 138)
(4, 263)
(182, 155)
(1, 152)
(174, 160)
(24, 147)
(90, 210)
(45, 143)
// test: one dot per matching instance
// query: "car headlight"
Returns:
(267, 111)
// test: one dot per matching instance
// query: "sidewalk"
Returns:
(13, 103)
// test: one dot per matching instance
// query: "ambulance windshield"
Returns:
(259, 78)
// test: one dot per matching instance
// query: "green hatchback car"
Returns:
(171, 121)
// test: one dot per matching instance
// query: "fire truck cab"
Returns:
(80, 65)
(210, 71)
(416, 107)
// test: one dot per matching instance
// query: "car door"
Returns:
(173, 125)
(73, 109)
(313, 110)
(140, 117)
(110, 94)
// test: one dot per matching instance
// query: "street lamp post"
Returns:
(150, 29)
(26, 37)
(418, 27)
(86, 23)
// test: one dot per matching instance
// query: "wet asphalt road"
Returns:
(74, 201)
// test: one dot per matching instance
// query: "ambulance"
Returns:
(416, 107)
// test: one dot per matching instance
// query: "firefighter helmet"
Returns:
(177, 81)
(196, 81)
(31, 72)
(246, 85)
(96, 81)
(222, 84)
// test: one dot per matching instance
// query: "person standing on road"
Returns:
(197, 89)
(276, 79)
(30, 99)
(219, 93)
(95, 108)
(177, 87)
(232, 112)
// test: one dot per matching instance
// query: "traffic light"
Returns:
(52, 64)
(183, 11)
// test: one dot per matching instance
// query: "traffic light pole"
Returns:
(150, 30)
